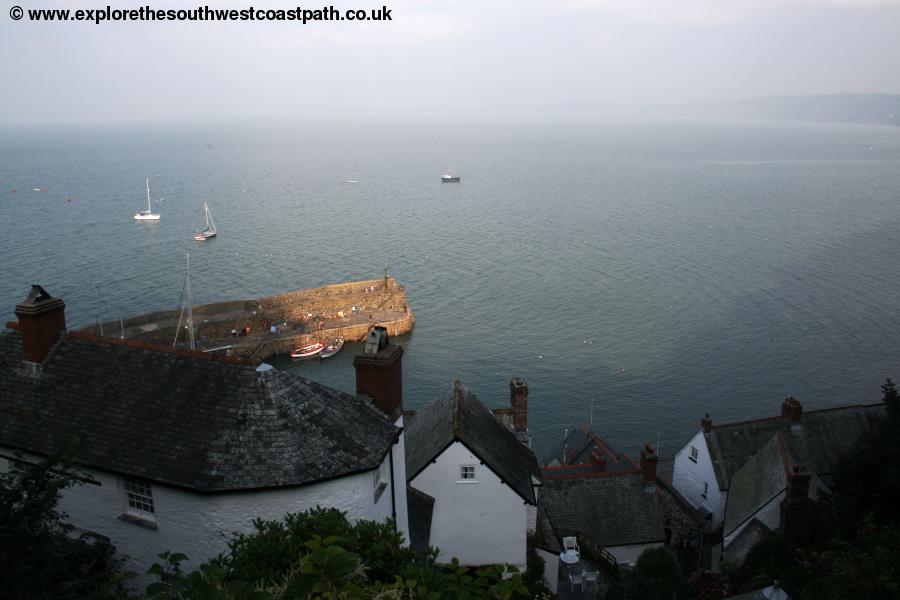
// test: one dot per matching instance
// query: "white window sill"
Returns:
(139, 520)
(467, 481)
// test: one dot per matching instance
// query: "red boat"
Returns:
(307, 351)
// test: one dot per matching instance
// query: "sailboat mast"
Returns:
(189, 304)
(206, 209)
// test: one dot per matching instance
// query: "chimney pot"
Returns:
(649, 460)
(518, 400)
(798, 484)
(791, 409)
(42, 319)
(706, 423)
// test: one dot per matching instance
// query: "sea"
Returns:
(637, 273)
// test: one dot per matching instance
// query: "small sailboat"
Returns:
(332, 348)
(307, 351)
(147, 215)
(210, 230)
(449, 177)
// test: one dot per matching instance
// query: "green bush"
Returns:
(656, 576)
(320, 554)
(39, 558)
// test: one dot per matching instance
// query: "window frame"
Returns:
(381, 476)
(694, 454)
(137, 493)
(467, 474)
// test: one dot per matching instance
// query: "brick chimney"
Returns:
(796, 509)
(518, 400)
(798, 484)
(42, 318)
(706, 423)
(791, 409)
(598, 461)
(379, 374)
(648, 463)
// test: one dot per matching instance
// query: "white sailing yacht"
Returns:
(210, 230)
(146, 215)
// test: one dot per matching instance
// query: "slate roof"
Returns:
(572, 458)
(820, 438)
(761, 479)
(756, 483)
(545, 537)
(459, 416)
(577, 446)
(611, 511)
(420, 506)
(187, 421)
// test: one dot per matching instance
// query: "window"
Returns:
(140, 497)
(382, 476)
(705, 489)
(467, 472)
(694, 454)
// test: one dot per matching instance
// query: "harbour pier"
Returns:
(259, 328)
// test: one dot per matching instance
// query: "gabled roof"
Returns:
(611, 511)
(755, 484)
(573, 457)
(819, 439)
(545, 537)
(762, 479)
(184, 420)
(458, 416)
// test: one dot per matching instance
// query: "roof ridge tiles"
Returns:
(805, 412)
(782, 450)
(457, 409)
(591, 475)
(138, 344)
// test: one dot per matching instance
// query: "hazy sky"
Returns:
(458, 58)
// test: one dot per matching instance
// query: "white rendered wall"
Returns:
(199, 525)
(480, 523)
(551, 568)
(628, 555)
(689, 476)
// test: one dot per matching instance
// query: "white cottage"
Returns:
(474, 484)
(761, 456)
(180, 449)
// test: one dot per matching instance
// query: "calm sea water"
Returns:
(657, 270)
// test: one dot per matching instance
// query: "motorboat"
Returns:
(449, 177)
(307, 351)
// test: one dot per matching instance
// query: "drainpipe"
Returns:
(393, 486)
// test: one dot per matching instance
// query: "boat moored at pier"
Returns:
(332, 348)
(308, 351)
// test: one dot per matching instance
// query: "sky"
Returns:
(488, 58)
